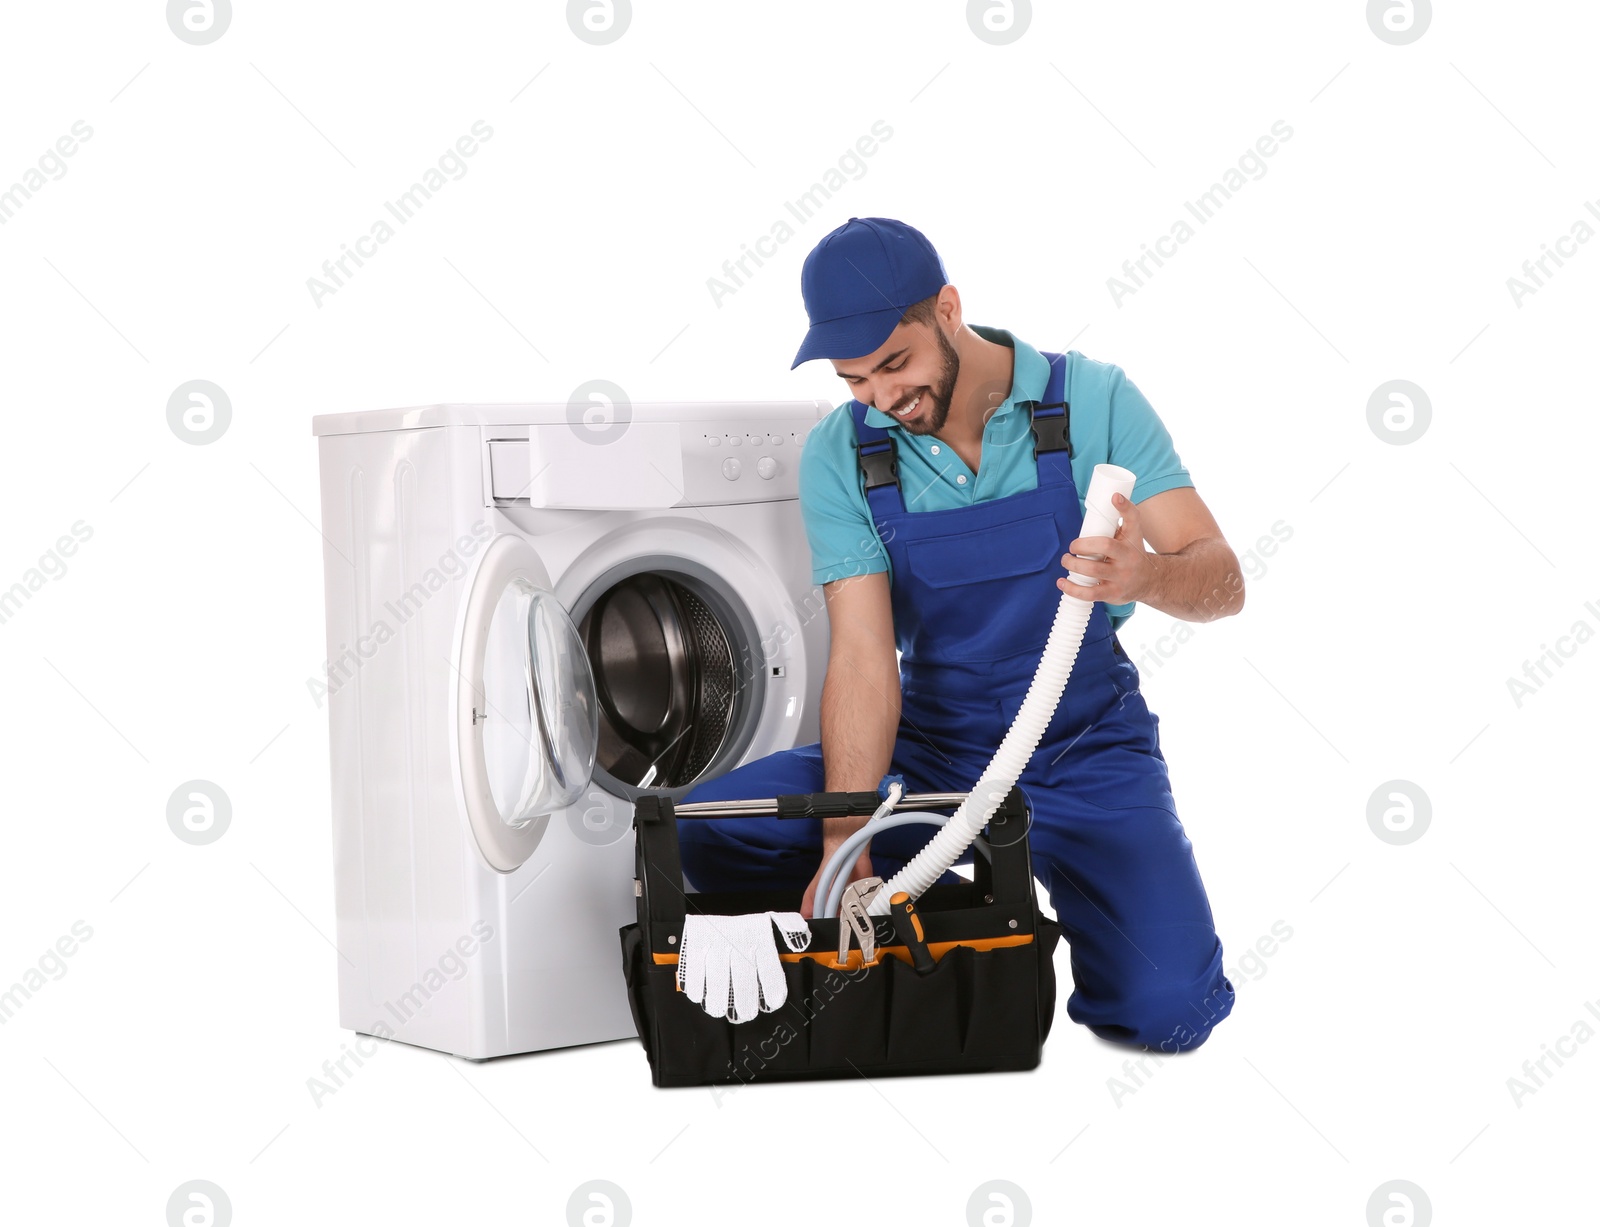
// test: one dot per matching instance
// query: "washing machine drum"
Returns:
(665, 680)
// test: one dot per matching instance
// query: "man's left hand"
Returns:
(1125, 570)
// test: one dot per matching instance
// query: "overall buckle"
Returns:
(1051, 424)
(879, 463)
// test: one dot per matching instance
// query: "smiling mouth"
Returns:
(909, 409)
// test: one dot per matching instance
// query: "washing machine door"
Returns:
(525, 714)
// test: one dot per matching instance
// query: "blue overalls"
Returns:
(974, 598)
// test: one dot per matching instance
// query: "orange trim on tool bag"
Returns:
(853, 956)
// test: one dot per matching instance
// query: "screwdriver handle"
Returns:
(908, 928)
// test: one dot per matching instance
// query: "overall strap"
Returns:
(1052, 444)
(1052, 420)
(880, 468)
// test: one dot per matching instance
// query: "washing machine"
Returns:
(533, 613)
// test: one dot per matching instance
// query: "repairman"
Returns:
(938, 503)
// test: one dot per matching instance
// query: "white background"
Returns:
(1373, 1045)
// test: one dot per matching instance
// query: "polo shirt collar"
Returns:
(1029, 374)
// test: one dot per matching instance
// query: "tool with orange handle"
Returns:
(908, 928)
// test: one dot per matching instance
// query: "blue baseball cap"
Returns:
(858, 281)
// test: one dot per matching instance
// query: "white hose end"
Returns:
(1100, 513)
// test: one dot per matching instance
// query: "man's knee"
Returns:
(710, 858)
(1175, 1019)
(743, 853)
(784, 771)
(1169, 1004)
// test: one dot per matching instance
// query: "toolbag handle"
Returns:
(1006, 877)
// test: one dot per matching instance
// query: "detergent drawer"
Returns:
(623, 466)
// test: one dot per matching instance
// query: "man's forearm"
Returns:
(860, 719)
(1199, 583)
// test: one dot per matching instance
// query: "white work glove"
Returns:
(729, 965)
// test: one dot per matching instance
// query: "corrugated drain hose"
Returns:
(1038, 708)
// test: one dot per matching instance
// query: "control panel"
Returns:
(650, 464)
(760, 460)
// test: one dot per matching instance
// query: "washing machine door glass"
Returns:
(564, 698)
(540, 722)
(527, 719)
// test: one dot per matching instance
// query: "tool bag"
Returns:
(987, 1004)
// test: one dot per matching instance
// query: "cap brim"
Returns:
(854, 336)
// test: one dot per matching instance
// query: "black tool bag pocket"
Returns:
(987, 1004)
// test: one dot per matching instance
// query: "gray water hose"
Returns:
(831, 885)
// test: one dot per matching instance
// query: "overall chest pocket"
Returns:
(1027, 546)
(988, 593)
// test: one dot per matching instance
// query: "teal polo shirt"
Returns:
(1112, 423)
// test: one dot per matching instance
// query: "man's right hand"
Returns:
(861, 869)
